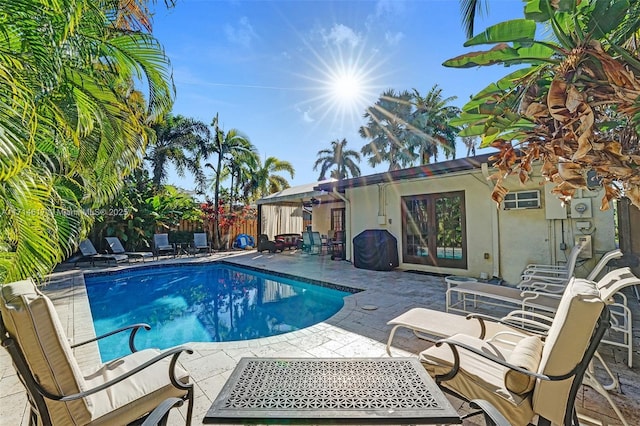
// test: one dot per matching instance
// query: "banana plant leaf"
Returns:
(517, 30)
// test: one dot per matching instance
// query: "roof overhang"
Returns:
(296, 195)
(424, 171)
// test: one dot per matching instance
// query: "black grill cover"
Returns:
(375, 249)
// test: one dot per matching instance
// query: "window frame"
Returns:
(431, 228)
(335, 213)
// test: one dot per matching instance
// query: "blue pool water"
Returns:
(202, 303)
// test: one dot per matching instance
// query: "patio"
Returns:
(358, 330)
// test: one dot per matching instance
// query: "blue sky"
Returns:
(295, 75)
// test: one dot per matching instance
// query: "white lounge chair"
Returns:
(465, 297)
(116, 247)
(554, 272)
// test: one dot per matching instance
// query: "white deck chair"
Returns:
(465, 297)
(554, 272)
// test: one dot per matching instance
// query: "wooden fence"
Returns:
(249, 227)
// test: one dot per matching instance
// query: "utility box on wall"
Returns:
(553, 206)
(587, 250)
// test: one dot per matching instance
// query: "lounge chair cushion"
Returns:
(31, 317)
(477, 377)
(135, 396)
(565, 344)
(526, 354)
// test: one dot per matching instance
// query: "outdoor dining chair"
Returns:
(161, 245)
(430, 324)
(120, 392)
(200, 243)
(532, 376)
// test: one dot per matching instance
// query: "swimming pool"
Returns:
(202, 303)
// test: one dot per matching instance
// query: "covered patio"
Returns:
(291, 210)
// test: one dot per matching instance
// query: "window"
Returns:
(337, 219)
(434, 230)
(522, 200)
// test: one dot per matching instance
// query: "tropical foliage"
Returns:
(344, 160)
(266, 179)
(572, 106)
(180, 141)
(143, 209)
(406, 128)
(387, 129)
(73, 119)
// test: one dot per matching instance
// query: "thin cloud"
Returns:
(393, 38)
(306, 117)
(340, 34)
(242, 33)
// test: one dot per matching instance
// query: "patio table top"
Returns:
(330, 391)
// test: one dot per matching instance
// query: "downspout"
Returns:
(347, 205)
(495, 227)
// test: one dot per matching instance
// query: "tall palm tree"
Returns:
(181, 141)
(227, 147)
(266, 179)
(72, 121)
(387, 129)
(241, 166)
(430, 121)
(339, 156)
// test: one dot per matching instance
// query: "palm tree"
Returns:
(343, 159)
(470, 143)
(387, 129)
(72, 121)
(241, 166)
(181, 141)
(265, 179)
(227, 147)
(430, 122)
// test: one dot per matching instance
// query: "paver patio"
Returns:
(352, 332)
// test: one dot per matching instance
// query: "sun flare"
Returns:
(346, 86)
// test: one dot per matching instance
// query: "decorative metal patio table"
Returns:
(330, 391)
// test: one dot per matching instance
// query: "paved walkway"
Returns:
(356, 331)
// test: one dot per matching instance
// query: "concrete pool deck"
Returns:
(355, 331)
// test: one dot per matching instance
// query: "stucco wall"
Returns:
(499, 242)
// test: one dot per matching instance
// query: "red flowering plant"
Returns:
(226, 220)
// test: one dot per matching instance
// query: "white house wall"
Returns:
(499, 242)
